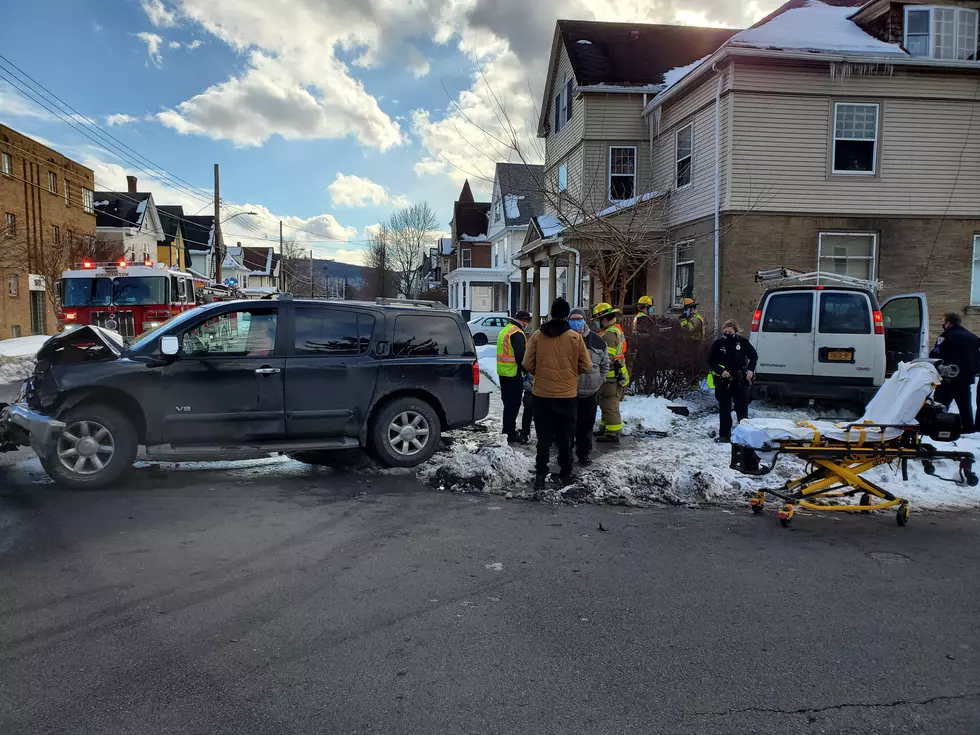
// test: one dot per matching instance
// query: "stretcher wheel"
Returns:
(786, 515)
(902, 515)
(971, 479)
(866, 500)
(928, 466)
(756, 509)
(784, 522)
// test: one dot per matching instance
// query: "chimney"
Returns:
(131, 184)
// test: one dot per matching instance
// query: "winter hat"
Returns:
(577, 312)
(560, 309)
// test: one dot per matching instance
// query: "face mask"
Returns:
(729, 337)
(577, 324)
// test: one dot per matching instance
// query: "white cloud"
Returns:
(355, 191)
(120, 118)
(159, 14)
(153, 43)
(174, 44)
(194, 44)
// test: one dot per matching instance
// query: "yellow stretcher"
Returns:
(837, 455)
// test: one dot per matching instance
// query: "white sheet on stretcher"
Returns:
(897, 402)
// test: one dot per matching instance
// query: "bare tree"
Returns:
(411, 231)
(378, 259)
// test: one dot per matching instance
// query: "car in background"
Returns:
(235, 378)
(486, 328)
(834, 342)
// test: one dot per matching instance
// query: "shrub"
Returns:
(664, 361)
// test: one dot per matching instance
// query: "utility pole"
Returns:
(311, 275)
(217, 253)
(282, 261)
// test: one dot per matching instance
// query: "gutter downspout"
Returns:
(721, 81)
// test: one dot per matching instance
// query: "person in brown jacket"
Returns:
(556, 355)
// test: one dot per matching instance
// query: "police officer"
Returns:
(511, 344)
(732, 361)
(958, 346)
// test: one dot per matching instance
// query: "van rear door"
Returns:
(906, 318)
(785, 337)
(845, 346)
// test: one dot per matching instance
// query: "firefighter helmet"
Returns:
(602, 310)
(645, 301)
(688, 303)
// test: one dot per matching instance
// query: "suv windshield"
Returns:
(121, 291)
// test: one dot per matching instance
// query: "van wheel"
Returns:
(405, 433)
(97, 448)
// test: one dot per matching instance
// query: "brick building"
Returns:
(46, 204)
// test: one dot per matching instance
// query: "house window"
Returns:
(39, 319)
(975, 281)
(563, 105)
(568, 100)
(10, 225)
(942, 32)
(622, 173)
(847, 254)
(87, 201)
(52, 182)
(855, 138)
(496, 211)
(467, 258)
(55, 234)
(684, 155)
(683, 271)
(13, 286)
(562, 178)
(7, 163)
(67, 194)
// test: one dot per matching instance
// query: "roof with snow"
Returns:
(634, 54)
(549, 225)
(259, 261)
(628, 203)
(445, 246)
(469, 217)
(170, 218)
(198, 232)
(522, 191)
(119, 209)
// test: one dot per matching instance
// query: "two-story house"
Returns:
(171, 250)
(598, 172)
(199, 238)
(129, 222)
(472, 283)
(839, 137)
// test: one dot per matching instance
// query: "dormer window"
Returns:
(941, 32)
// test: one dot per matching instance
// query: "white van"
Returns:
(834, 342)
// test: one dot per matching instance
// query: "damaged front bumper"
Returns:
(21, 425)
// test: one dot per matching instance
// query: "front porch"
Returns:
(479, 290)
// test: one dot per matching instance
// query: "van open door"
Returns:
(906, 319)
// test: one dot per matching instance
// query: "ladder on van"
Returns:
(776, 277)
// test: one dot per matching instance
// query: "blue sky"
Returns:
(297, 98)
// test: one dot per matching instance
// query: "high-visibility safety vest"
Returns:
(616, 353)
(506, 361)
(694, 325)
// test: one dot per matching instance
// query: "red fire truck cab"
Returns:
(126, 297)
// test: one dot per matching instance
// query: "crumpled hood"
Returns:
(97, 342)
(555, 328)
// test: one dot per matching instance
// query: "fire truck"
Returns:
(128, 298)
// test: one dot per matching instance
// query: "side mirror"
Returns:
(169, 345)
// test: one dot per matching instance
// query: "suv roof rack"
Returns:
(790, 277)
(383, 301)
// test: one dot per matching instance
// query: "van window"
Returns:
(844, 313)
(789, 312)
(427, 336)
(336, 332)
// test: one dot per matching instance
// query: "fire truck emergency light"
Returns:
(123, 263)
(88, 264)
(148, 263)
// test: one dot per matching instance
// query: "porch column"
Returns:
(552, 279)
(536, 297)
(524, 289)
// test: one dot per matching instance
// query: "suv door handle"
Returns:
(268, 371)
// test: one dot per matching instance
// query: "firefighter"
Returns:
(691, 320)
(618, 377)
(732, 361)
(511, 344)
(644, 310)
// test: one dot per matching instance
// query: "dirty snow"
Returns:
(512, 206)
(17, 357)
(815, 27)
(673, 76)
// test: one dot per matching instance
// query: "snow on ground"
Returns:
(17, 357)
(686, 468)
(487, 357)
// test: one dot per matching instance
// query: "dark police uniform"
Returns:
(959, 346)
(737, 356)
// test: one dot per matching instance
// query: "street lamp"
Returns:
(228, 219)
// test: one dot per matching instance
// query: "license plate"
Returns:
(840, 355)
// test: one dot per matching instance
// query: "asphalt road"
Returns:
(273, 598)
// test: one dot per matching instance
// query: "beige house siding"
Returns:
(614, 116)
(558, 146)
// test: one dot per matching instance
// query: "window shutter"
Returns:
(568, 97)
(557, 112)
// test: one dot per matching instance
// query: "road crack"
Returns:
(845, 705)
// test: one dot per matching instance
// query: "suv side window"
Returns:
(427, 336)
(336, 332)
(844, 313)
(789, 313)
(244, 333)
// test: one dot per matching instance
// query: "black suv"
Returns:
(249, 377)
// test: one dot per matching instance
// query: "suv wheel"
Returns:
(479, 339)
(406, 433)
(98, 446)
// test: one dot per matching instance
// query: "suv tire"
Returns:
(405, 432)
(98, 447)
(479, 339)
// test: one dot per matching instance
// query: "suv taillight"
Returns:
(756, 320)
(476, 376)
(879, 323)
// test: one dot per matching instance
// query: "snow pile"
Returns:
(627, 203)
(584, 42)
(511, 205)
(17, 357)
(470, 465)
(815, 27)
(22, 346)
(673, 76)
(473, 238)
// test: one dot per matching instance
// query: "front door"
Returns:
(226, 386)
(331, 372)
(906, 319)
